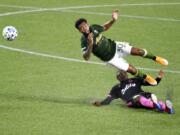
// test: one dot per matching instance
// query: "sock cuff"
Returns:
(136, 73)
(145, 52)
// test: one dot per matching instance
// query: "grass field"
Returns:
(42, 93)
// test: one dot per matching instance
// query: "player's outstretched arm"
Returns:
(108, 24)
(158, 78)
(87, 53)
(160, 74)
(106, 101)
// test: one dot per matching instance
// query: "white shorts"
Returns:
(122, 49)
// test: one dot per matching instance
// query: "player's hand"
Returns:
(115, 15)
(160, 74)
(96, 103)
(90, 39)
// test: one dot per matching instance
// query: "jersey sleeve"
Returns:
(107, 100)
(97, 27)
(114, 92)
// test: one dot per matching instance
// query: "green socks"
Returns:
(149, 55)
(140, 74)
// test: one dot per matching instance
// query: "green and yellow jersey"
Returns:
(103, 47)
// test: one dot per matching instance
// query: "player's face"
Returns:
(122, 75)
(84, 28)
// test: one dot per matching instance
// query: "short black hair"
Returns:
(79, 21)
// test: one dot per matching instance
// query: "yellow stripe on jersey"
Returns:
(98, 38)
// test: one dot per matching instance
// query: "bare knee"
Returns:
(137, 51)
(132, 70)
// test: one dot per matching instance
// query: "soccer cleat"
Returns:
(150, 80)
(161, 61)
(169, 107)
(155, 102)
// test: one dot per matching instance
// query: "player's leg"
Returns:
(145, 54)
(122, 64)
(166, 107)
(156, 103)
(145, 100)
(161, 106)
(140, 101)
(124, 49)
(169, 107)
(136, 72)
(149, 100)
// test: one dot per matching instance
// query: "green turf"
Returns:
(46, 96)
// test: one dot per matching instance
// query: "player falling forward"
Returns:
(111, 51)
(129, 90)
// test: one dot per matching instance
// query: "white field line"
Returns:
(21, 12)
(14, 6)
(127, 16)
(65, 9)
(94, 6)
(72, 59)
(48, 55)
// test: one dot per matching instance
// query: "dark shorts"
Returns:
(146, 94)
(134, 102)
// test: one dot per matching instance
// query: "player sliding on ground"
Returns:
(111, 52)
(129, 90)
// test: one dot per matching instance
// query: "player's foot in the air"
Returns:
(150, 80)
(169, 107)
(161, 61)
(155, 102)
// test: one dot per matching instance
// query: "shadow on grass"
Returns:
(61, 100)
(141, 110)
(71, 101)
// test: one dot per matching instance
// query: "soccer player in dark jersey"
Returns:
(130, 91)
(111, 52)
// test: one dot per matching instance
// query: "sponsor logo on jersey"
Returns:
(95, 31)
(123, 91)
(98, 38)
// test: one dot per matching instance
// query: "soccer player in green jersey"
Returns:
(112, 52)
